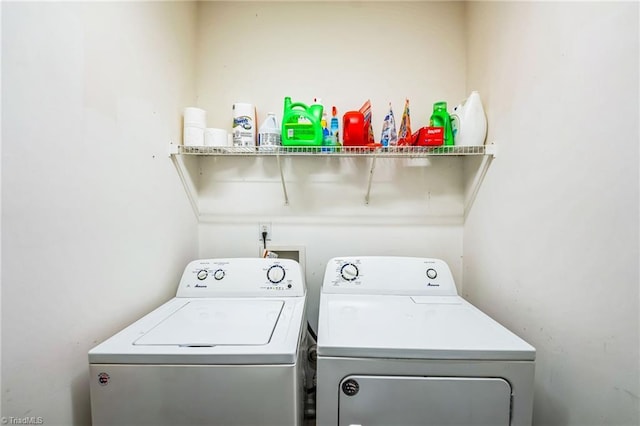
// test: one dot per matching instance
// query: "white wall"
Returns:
(96, 226)
(551, 245)
(344, 53)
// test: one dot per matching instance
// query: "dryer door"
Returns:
(407, 400)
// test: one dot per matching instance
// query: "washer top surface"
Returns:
(217, 322)
(227, 311)
(360, 316)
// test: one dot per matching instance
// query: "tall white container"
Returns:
(244, 124)
(468, 122)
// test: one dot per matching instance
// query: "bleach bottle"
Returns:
(269, 133)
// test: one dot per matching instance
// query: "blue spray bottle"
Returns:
(335, 130)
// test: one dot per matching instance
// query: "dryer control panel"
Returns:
(239, 277)
(389, 275)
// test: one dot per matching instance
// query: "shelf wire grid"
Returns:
(339, 151)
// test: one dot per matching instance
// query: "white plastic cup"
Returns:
(195, 117)
(193, 136)
(215, 137)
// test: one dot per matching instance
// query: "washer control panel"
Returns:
(242, 277)
(388, 275)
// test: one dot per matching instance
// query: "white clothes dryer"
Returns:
(398, 346)
(225, 351)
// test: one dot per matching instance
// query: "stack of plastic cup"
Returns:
(195, 121)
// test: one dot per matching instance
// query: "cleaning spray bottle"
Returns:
(326, 135)
(335, 126)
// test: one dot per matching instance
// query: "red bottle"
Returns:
(354, 131)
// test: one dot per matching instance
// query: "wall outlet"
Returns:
(264, 227)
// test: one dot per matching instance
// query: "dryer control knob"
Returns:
(275, 274)
(350, 387)
(218, 274)
(202, 274)
(431, 273)
(349, 272)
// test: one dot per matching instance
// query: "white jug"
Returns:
(269, 133)
(468, 122)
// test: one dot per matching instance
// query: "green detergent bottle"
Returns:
(301, 124)
(441, 118)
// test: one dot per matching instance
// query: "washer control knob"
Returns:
(202, 274)
(431, 273)
(275, 274)
(218, 274)
(349, 272)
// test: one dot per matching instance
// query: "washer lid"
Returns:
(220, 331)
(445, 327)
(202, 323)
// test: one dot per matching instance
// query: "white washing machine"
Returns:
(225, 351)
(398, 346)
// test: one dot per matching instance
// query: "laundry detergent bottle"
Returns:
(468, 122)
(441, 118)
(301, 124)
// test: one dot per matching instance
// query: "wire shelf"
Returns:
(485, 152)
(341, 151)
